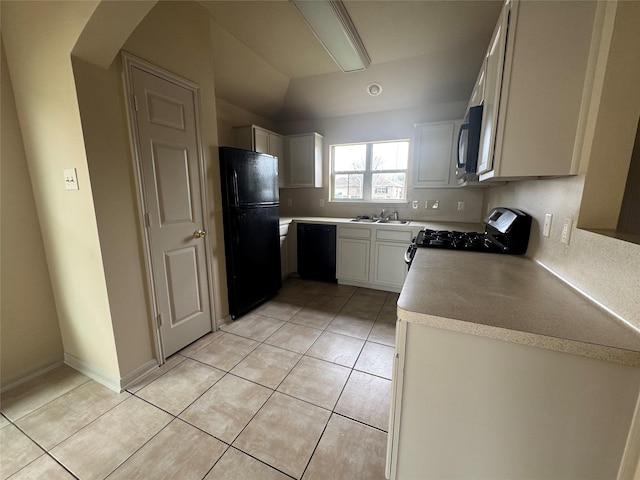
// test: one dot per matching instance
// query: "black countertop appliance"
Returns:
(250, 211)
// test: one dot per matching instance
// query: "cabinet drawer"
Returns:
(395, 235)
(352, 232)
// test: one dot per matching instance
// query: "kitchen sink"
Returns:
(394, 222)
(380, 220)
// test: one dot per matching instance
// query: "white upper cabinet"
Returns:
(303, 154)
(261, 140)
(535, 78)
(435, 155)
(493, 67)
(478, 90)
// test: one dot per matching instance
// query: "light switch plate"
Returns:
(70, 179)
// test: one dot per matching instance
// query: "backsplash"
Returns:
(606, 269)
(306, 202)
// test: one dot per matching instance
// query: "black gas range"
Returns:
(506, 231)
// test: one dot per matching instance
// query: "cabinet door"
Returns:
(432, 156)
(300, 156)
(261, 140)
(353, 259)
(494, 65)
(303, 154)
(478, 90)
(395, 410)
(276, 149)
(284, 257)
(389, 267)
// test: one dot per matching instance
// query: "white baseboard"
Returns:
(138, 374)
(224, 321)
(117, 384)
(93, 372)
(23, 379)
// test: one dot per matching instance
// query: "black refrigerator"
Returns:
(251, 227)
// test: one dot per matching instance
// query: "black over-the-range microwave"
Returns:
(469, 145)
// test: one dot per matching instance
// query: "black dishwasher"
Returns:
(317, 251)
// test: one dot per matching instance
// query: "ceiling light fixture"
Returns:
(331, 23)
(374, 89)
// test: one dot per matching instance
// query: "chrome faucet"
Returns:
(388, 216)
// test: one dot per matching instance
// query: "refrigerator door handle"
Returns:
(236, 198)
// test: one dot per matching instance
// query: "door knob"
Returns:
(199, 234)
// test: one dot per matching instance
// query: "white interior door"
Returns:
(171, 182)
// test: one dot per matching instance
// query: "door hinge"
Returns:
(147, 220)
(159, 320)
(135, 102)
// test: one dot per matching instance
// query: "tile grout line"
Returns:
(274, 390)
(174, 417)
(331, 412)
(45, 452)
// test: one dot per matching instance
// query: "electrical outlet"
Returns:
(566, 231)
(414, 204)
(322, 202)
(435, 205)
(460, 206)
(546, 229)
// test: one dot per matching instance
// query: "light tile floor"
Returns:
(300, 388)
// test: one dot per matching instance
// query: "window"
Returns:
(375, 171)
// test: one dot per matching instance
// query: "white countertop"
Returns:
(511, 298)
(413, 224)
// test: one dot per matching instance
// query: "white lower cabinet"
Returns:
(389, 268)
(285, 266)
(466, 406)
(372, 257)
(284, 257)
(354, 246)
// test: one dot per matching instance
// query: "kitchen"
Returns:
(586, 261)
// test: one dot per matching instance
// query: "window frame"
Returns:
(368, 172)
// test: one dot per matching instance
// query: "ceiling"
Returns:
(423, 52)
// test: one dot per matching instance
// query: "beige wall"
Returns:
(90, 236)
(39, 37)
(102, 106)
(176, 36)
(230, 116)
(389, 125)
(30, 336)
(605, 268)
(110, 169)
(615, 121)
